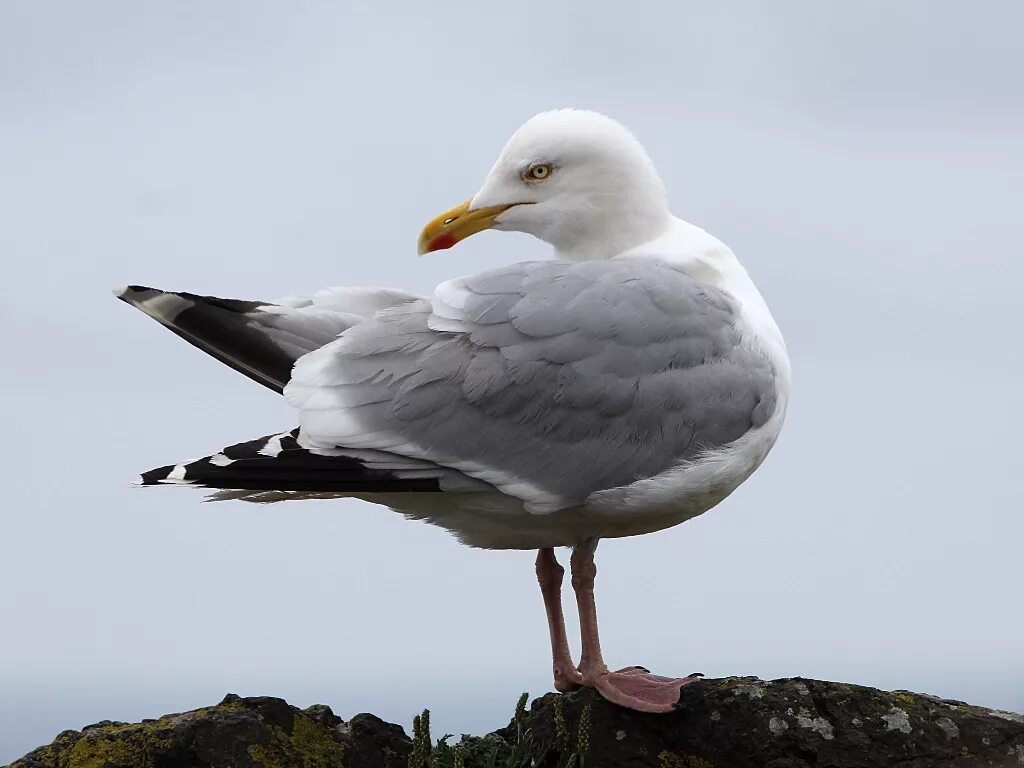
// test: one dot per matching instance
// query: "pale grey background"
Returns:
(865, 161)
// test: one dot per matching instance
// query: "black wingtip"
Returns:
(278, 463)
(155, 476)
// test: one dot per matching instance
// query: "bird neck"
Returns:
(599, 238)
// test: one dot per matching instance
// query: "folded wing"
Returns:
(548, 380)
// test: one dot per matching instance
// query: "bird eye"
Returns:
(537, 172)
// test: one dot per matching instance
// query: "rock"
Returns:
(259, 731)
(727, 723)
(791, 723)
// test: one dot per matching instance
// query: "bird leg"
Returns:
(633, 687)
(549, 575)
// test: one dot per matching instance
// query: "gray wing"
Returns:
(549, 380)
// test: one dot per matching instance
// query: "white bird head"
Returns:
(575, 179)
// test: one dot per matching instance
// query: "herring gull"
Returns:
(626, 385)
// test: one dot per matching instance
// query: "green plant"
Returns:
(493, 751)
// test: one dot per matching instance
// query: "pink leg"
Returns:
(549, 575)
(633, 687)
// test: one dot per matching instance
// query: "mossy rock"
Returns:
(258, 732)
(735, 722)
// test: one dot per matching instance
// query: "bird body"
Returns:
(688, 478)
(627, 385)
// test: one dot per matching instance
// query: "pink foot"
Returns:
(635, 688)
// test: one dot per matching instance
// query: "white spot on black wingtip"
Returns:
(273, 446)
(220, 460)
(122, 292)
(176, 474)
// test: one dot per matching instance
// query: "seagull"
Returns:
(624, 386)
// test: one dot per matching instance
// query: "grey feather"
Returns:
(573, 377)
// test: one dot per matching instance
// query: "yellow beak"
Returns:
(457, 224)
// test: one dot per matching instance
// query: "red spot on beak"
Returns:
(442, 242)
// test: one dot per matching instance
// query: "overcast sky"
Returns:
(866, 162)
